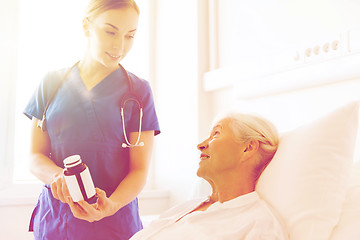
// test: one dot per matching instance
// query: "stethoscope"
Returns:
(129, 96)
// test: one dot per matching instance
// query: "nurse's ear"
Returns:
(86, 26)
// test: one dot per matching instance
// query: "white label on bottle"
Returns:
(74, 188)
(88, 183)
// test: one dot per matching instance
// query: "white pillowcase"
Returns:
(306, 182)
(348, 226)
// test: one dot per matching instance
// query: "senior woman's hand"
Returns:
(103, 207)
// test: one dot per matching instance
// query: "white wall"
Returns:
(8, 74)
(13, 219)
(14, 222)
(176, 86)
(290, 109)
(252, 29)
(257, 35)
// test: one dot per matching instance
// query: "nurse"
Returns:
(83, 117)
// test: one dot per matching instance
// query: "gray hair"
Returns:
(247, 127)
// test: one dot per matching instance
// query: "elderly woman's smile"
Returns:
(204, 156)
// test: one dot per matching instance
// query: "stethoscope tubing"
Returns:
(129, 96)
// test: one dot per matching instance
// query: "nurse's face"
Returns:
(111, 35)
(220, 153)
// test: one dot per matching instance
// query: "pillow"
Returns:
(348, 225)
(306, 181)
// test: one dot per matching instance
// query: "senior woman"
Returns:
(232, 158)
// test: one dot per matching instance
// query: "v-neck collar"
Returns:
(109, 80)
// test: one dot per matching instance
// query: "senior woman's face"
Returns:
(219, 152)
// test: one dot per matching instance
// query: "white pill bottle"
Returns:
(78, 179)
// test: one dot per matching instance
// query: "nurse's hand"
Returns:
(103, 207)
(59, 188)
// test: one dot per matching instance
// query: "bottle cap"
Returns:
(72, 161)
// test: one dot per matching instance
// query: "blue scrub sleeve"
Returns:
(37, 103)
(149, 121)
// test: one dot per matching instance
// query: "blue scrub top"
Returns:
(88, 123)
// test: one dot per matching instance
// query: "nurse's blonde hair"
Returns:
(247, 127)
(96, 7)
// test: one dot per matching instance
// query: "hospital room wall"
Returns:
(184, 108)
(250, 35)
(176, 90)
(14, 227)
(291, 109)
